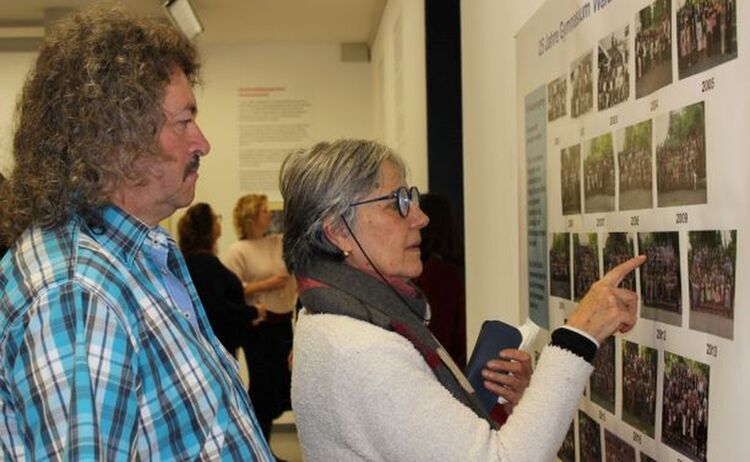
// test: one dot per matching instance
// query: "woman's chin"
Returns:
(415, 270)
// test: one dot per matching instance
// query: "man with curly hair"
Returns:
(105, 350)
(3, 247)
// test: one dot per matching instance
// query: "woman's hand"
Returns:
(277, 281)
(508, 377)
(261, 308)
(606, 308)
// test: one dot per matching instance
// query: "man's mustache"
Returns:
(194, 164)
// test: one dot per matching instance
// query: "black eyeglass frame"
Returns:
(404, 198)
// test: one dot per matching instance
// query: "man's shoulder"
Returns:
(54, 263)
(45, 253)
(54, 255)
(40, 259)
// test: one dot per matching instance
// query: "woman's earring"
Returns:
(346, 253)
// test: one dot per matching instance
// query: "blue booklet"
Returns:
(494, 337)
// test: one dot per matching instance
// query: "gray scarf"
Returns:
(331, 287)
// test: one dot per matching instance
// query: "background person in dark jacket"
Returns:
(442, 278)
(218, 288)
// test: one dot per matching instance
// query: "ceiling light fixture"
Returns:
(182, 14)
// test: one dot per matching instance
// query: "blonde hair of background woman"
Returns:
(246, 210)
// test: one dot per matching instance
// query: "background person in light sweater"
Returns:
(256, 259)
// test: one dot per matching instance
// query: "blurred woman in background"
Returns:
(256, 260)
(219, 289)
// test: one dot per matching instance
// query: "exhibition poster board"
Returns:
(643, 150)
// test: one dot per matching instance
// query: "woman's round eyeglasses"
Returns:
(404, 198)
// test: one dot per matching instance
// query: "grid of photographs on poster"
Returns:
(652, 164)
(659, 162)
(684, 396)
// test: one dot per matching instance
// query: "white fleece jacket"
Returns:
(361, 393)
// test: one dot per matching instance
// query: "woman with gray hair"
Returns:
(369, 381)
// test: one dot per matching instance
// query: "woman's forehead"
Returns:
(389, 176)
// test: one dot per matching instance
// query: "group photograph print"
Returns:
(712, 262)
(684, 425)
(635, 161)
(585, 263)
(661, 289)
(616, 449)
(557, 98)
(618, 248)
(639, 375)
(613, 65)
(599, 174)
(570, 179)
(602, 381)
(582, 84)
(680, 138)
(653, 47)
(567, 451)
(706, 34)
(559, 266)
(589, 435)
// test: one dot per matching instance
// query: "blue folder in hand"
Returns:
(494, 337)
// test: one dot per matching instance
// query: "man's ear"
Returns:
(336, 232)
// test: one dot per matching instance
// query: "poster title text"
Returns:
(569, 24)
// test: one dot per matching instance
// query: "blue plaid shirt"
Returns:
(98, 363)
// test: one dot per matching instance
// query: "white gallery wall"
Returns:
(339, 93)
(399, 85)
(491, 158)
